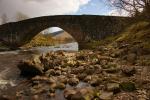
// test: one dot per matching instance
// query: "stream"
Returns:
(10, 74)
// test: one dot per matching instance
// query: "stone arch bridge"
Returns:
(81, 27)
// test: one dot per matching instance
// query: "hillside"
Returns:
(64, 37)
(49, 39)
(40, 40)
(132, 45)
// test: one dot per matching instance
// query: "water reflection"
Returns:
(43, 49)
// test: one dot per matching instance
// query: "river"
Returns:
(10, 74)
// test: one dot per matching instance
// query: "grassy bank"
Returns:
(131, 45)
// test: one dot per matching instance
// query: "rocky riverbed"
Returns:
(83, 75)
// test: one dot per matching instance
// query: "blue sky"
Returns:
(36, 8)
(94, 7)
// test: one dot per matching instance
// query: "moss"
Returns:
(127, 86)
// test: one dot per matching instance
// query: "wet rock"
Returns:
(126, 96)
(73, 81)
(128, 70)
(131, 58)
(44, 79)
(64, 73)
(51, 94)
(31, 68)
(81, 57)
(114, 87)
(79, 94)
(142, 95)
(60, 86)
(88, 78)
(77, 70)
(111, 68)
(83, 94)
(58, 72)
(68, 93)
(106, 96)
(98, 69)
(103, 63)
(37, 89)
(35, 97)
(57, 68)
(62, 79)
(50, 72)
(71, 75)
(52, 87)
(90, 70)
(95, 81)
(127, 86)
(82, 76)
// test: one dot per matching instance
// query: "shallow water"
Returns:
(10, 74)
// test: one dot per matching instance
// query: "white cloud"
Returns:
(35, 8)
(116, 12)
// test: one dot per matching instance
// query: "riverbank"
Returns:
(83, 75)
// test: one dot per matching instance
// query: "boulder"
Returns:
(127, 86)
(31, 68)
(114, 87)
(60, 86)
(68, 93)
(128, 70)
(106, 96)
(73, 81)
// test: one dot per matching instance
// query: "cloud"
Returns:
(116, 12)
(35, 8)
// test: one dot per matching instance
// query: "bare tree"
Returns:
(20, 16)
(133, 7)
(4, 19)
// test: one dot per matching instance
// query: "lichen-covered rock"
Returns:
(127, 86)
(60, 86)
(50, 72)
(79, 94)
(131, 58)
(73, 81)
(106, 96)
(68, 93)
(88, 78)
(95, 81)
(82, 76)
(31, 67)
(114, 87)
(43, 79)
(62, 79)
(128, 70)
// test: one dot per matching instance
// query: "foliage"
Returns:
(41, 40)
(133, 7)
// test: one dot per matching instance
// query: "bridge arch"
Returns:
(81, 27)
(53, 36)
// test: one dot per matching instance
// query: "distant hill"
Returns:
(57, 33)
(62, 37)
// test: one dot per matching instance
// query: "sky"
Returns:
(10, 9)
